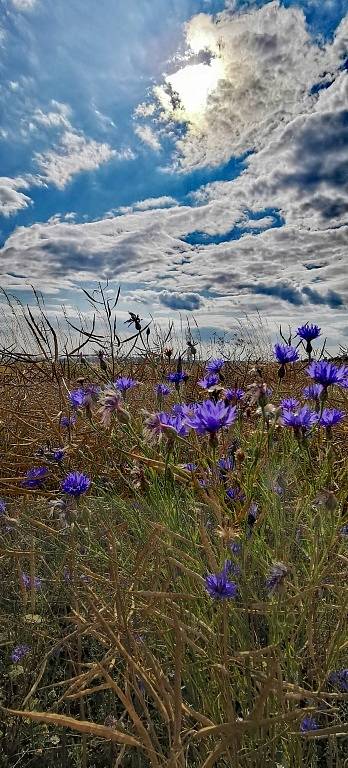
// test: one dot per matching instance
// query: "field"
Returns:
(173, 563)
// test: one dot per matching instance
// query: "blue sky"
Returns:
(194, 151)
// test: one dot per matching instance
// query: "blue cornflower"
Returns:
(327, 374)
(161, 390)
(308, 332)
(308, 724)
(215, 365)
(209, 417)
(219, 587)
(340, 679)
(162, 423)
(235, 547)
(58, 455)
(302, 419)
(2, 507)
(19, 652)
(183, 410)
(253, 514)
(190, 467)
(225, 465)
(276, 576)
(75, 483)
(211, 380)
(312, 392)
(77, 398)
(330, 417)
(28, 582)
(124, 383)
(35, 477)
(177, 377)
(235, 494)
(65, 421)
(289, 404)
(285, 354)
(235, 394)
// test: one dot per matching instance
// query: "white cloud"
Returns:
(24, 5)
(269, 62)
(11, 200)
(75, 153)
(147, 135)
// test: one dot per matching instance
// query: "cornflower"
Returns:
(165, 424)
(308, 724)
(124, 383)
(35, 477)
(177, 377)
(285, 354)
(161, 390)
(276, 576)
(75, 484)
(209, 417)
(234, 395)
(327, 374)
(66, 421)
(308, 333)
(111, 404)
(289, 404)
(28, 582)
(329, 418)
(215, 365)
(303, 419)
(219, 587)
(209, 381)
(19, 652)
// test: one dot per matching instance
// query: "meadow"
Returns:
(174, 546)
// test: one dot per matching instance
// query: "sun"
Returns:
(193, 84)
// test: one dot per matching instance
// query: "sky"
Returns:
(194, 152)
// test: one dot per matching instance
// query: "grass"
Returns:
(126, 659)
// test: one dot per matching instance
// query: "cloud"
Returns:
(269, 62)
(11, 200)
(188, 301)
(74, 153)
(148, 204)
(24, 5)
(147, 136)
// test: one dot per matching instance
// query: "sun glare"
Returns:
(194, 84)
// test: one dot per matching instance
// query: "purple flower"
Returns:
(75, 483)
(124, 383)
(210, 381)
(2, 507)
(162, 423)
(35, 477)
(340, 679)
(235, 547)
(330, 417)
(312, 392)
(276, 576)
(302, 419)
(183, 410)
(308, 724)
(209, 417)
(177, 377)
(308, 332)
(219, 587)
(253, 514)
(28, 583)
(289, 404)
(215, 365)
(235, 494)
(19, 652)
(112, 404)
(67, 422)
(225, 465)
(190, 467)
(77, 398)
(58, 455)
(285, 354)
(235, 394)
(327, 374)
(161, 390)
